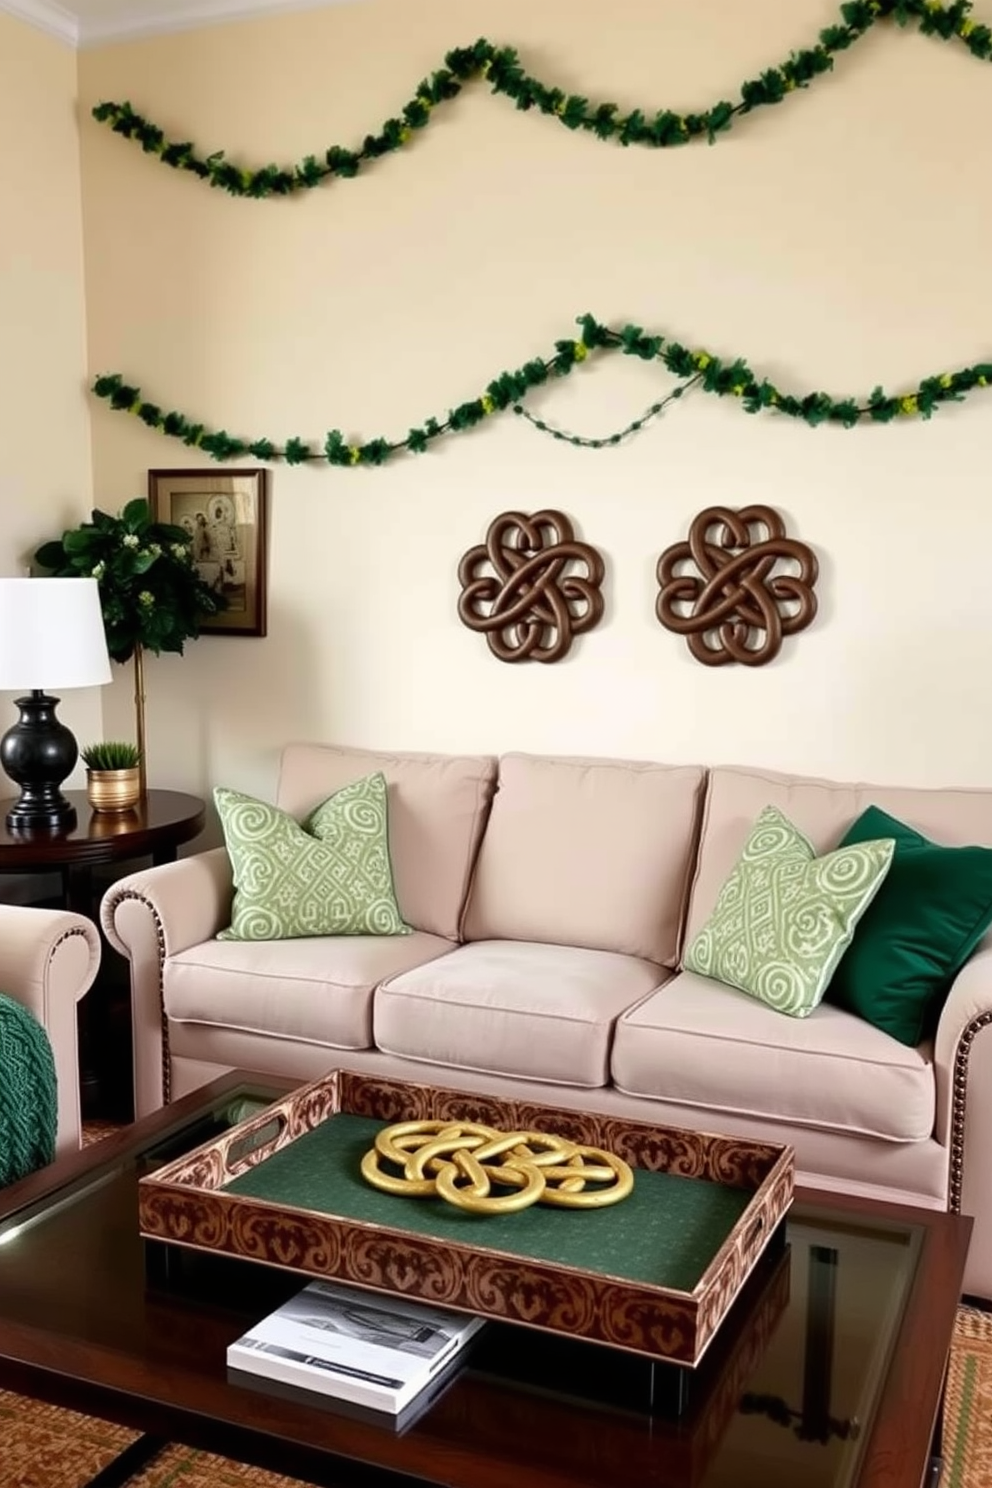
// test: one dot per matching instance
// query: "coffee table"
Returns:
(828, 1372)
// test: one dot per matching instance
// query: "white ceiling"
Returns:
(92, 22)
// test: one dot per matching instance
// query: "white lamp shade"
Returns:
(51, 634)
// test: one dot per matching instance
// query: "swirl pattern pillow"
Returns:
(784, 917)
(331, 876)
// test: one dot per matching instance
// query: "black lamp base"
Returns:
(38, 753)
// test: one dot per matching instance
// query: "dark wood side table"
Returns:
(155, 828)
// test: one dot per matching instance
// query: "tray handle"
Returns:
(255, 1144)
(754, 1238)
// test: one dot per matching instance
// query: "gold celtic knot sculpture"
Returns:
(533, 603)
(465, 1161)
(736, 608)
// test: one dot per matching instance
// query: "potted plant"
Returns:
(113, 776)
(151, 593)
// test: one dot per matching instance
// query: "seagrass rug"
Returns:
(968, 1403)
(44, 1447)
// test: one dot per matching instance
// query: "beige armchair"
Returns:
(48, 960)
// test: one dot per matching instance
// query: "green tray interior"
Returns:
(665, 1233)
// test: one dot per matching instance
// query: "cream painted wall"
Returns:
(837, 242)
(44, 418)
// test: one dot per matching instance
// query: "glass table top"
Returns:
(799, 1413)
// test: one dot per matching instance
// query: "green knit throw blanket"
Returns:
(28, 1106)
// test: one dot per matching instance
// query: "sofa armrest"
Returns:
(147, 916)
(191, 899)
(48, 960)
(963, 1069)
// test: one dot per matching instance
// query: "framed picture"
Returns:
(226, 515)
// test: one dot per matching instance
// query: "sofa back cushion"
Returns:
(587, 852)
(823, 810)
(437, 805)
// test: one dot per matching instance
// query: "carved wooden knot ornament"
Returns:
(736, 607)
(531, 588)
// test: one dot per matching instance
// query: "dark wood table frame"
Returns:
(155, 828)
(170, 1395)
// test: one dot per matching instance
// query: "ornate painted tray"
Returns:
(655, 1274)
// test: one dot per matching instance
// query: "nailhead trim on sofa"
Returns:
(160, 935)
(958, 1102)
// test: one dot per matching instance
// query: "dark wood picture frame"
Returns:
(226, 514)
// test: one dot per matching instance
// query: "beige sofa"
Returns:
(551, 900)
(48, 959)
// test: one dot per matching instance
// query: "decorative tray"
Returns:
(655, 1274)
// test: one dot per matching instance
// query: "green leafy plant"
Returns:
(150, 591)
(112, 754)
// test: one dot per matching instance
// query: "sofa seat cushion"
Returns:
(318, 990)
(702, 1044)
(539, 1012)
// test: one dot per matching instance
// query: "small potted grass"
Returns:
(113, 777)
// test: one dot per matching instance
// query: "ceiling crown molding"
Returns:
(45, 16)
(125, 23)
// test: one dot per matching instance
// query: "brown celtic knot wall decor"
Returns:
(542, 591)
(736, 608)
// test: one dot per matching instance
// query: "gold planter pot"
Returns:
(113, 790)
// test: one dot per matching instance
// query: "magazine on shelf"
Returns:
(365, 1348)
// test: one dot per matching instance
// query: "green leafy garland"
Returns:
(701, 368)
(660, 128)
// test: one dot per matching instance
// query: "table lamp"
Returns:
(51, 635)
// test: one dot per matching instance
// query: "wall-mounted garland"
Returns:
(658, 128)
(701, 368)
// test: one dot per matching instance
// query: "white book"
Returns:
(367, 1348)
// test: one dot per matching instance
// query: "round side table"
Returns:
(154, 828)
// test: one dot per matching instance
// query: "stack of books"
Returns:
(372, 1352)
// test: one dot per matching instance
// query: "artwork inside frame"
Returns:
(226, 515)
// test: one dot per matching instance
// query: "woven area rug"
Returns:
(42, 1447)
(968, 1408)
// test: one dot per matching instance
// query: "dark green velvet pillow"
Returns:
(931, 911)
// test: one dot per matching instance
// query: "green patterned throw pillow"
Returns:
(785, 917)
(331, 876)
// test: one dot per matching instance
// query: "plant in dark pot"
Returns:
(113, 775)
(151, 594)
